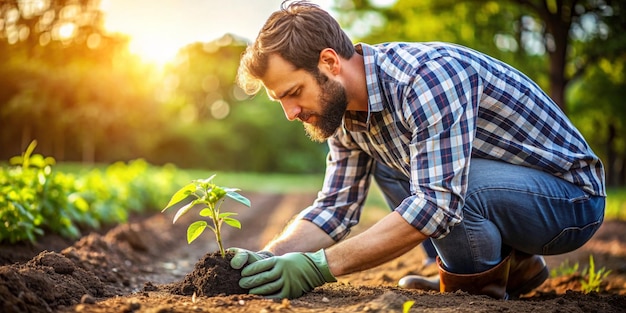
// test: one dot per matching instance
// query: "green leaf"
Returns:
(195, 230)
(184, 210)
(37, 161)
(206, 212)
(226, 214)
(232, 222)
(237, 197)
(208, 180)
(16, 160)
(30, 149)
(180, 195)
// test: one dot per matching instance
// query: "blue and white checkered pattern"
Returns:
(433, 107)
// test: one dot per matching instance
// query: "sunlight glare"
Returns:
(66, 30)
(158, 29)
(154, 50)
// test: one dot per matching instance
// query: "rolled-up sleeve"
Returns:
(346, 184)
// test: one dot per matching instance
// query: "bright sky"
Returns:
(159, 28)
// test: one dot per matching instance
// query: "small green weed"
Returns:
(593, 279)
(564, 269)
(590, 279)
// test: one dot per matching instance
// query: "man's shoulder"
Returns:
(400, 62)
(418, 50)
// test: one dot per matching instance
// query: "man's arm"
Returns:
(292, 274)
(386, 240)
(300, 236)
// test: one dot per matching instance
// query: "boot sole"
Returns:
(531, 284)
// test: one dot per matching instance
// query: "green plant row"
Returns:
(590, 279)
(37, 199)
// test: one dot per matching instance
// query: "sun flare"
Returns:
(152, 34)
(159, 29)
(154, 50)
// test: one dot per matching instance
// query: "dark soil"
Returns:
(211, 276)
(147, 266)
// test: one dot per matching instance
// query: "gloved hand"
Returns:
(287, 276)
(243, 257)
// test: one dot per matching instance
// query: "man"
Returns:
(476, 155)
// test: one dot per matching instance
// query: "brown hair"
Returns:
(298, 32)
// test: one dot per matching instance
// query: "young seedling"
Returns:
(210, 197)
(594, 279)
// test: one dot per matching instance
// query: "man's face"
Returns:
(332, 102)
(315, 99)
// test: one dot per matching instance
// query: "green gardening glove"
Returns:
(243, 257)
(287, 276)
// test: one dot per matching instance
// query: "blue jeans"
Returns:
(514, 207)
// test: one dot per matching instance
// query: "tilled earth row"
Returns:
(125, 269)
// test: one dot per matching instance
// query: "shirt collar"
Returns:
(357, 121)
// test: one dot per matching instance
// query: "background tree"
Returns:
(84, 97)
(214, 116)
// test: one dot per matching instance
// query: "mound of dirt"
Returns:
(96, 266)
(211, 276)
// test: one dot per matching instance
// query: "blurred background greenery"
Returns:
(76, 89)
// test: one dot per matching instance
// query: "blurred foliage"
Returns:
(84, 97)
(38, 199)
(574, 49)
(615, 204)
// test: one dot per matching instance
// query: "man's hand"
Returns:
(243, 257)
(287, 276)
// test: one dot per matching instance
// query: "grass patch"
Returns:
(615, 204)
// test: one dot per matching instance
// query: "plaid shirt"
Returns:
(433, 107)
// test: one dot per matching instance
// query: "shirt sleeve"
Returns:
(440, 108)
(346, 184)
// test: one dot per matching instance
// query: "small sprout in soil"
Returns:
(594, 279)
(210, 197)
(565, 269)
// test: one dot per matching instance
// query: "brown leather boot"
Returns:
(491, 282)
(527, 272)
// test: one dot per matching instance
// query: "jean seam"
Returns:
(547, 246)
(584, 197)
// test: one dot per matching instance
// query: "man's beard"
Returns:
(333, 102)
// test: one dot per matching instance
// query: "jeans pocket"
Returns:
(571, 238)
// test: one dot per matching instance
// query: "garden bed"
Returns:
(129, 267)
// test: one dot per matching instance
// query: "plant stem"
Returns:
(218, 233)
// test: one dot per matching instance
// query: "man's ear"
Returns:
(329, 61)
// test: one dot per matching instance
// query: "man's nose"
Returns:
(291, 109)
